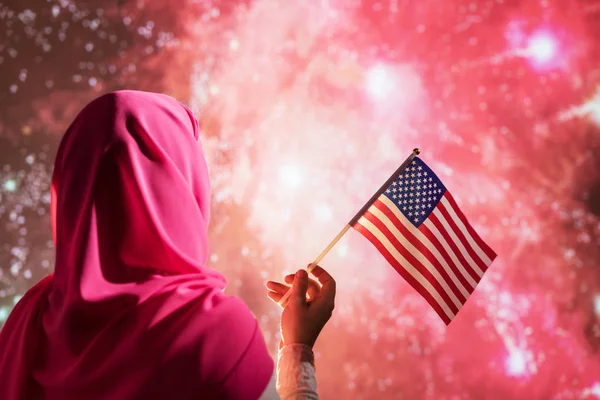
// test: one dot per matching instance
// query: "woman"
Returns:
(132, 311)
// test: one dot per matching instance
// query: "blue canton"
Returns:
(416, 192)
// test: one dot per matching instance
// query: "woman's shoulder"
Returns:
(222, 327)
(253, 368)
(235, 350)
(217, 339)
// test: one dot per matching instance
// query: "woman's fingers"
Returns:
(328, 284)
(276, 297)
(277, 287)
(313, 288)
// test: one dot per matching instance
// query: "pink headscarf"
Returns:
(132, 311)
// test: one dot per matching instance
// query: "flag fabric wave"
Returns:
(420, 230)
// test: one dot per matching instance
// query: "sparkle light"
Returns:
(3, 314)
(516, 364)
(380, 81)
(542, 48)
(593, 391)
(395, 89)
(596, 390)
(590, 109)
(10, 185)
(291, 175)
(594, 108)
(597, 305)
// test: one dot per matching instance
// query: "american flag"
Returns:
(417, 226)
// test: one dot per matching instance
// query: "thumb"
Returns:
(299, 288)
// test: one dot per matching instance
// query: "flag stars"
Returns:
(416, 192)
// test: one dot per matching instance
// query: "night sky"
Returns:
(306, 108)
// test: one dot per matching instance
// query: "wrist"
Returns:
(307, 343)
(301, 352)
(304, 341)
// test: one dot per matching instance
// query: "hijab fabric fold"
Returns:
(132, 311)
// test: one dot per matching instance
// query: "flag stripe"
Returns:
(438, 230)
(460, 240)
(463, 233)
(482, 245)
(413, 256)
(431, 231)
(417, 281)
(469, 254)
(438, 246)
(415, 223)
(419, 244)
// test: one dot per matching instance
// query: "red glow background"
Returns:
(306, 108)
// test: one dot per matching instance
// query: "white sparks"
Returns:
(10, 185)
(291, 175)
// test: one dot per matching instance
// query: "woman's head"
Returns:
(131, 301)
(130, 178)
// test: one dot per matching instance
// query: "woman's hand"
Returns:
(277, 290)
(308, 308)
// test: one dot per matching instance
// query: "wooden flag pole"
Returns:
(355, 219)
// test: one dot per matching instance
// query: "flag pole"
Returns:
(355, 219)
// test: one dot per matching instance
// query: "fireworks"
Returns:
(306, 108)
(542, 48)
